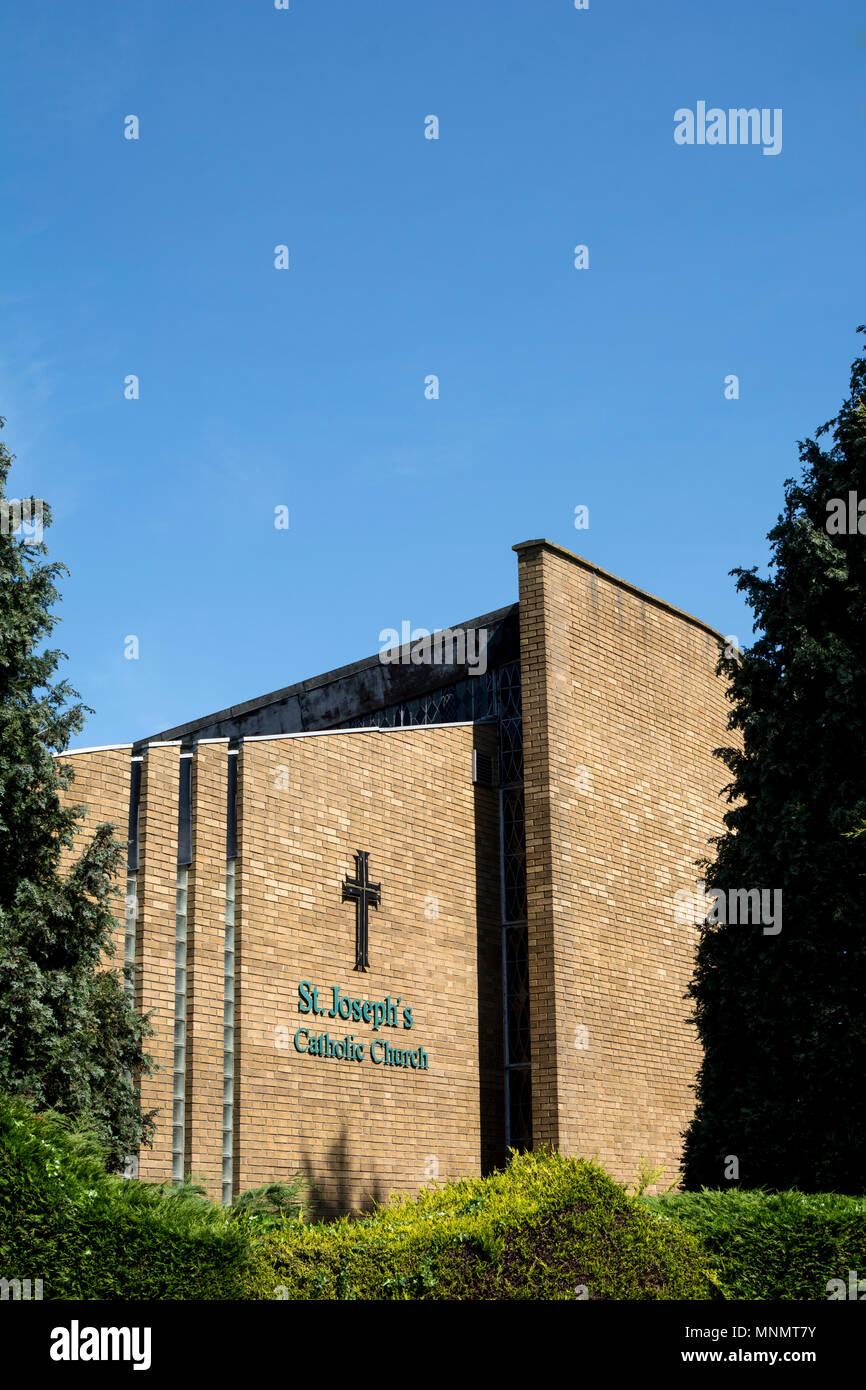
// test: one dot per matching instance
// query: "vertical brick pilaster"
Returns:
(205, 952)
(535, 686)
(155, 944)
(622, 709)
(248, 826)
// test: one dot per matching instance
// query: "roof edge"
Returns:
(94, 748)
(543, 544)
(180, 731)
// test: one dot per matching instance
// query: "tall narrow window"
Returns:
(229, 978)
(184, 859)
(131, 912)
(179, 1102)
(130, 918)
(232, 806)
(184, 810)
(515, 937)
(229, 1033)
(134, 811)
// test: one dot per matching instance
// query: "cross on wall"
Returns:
(365, 895)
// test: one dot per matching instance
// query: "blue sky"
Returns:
(304, 388)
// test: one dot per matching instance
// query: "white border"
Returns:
(369, 729)
(99, 748)
(264, 738)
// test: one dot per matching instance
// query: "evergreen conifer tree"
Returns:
(782, 1016)
(70, 1038)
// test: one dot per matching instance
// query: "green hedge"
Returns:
(548, 1227)
(773, 1245)
(89, 1235)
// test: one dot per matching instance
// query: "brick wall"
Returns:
(622, 709)
(358, 1129)
(205, 957)
(155, 943)
(304, 806)
(624, 687)
(100, 783)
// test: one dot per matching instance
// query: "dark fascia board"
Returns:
(316, 700)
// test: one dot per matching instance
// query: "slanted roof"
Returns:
(349, 692)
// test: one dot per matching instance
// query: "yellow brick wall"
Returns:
(621, 711)
(100, 783)
(155, 943)
(305, 805)
(205, 957)
(357, 1129)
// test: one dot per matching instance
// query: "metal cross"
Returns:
(364, 894)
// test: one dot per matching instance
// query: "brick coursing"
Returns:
(155, 943)
(357, 1129)
(625, 688)
(305, 805)
(621, 710)
(100, 783)
(205, 964)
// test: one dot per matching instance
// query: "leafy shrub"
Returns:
(91, 1235)
(545, 1228)
(541, 1229)
(773, 1245)
(268, 1206)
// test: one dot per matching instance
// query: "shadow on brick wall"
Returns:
(334, 1185)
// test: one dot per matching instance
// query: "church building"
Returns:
(394, 920)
